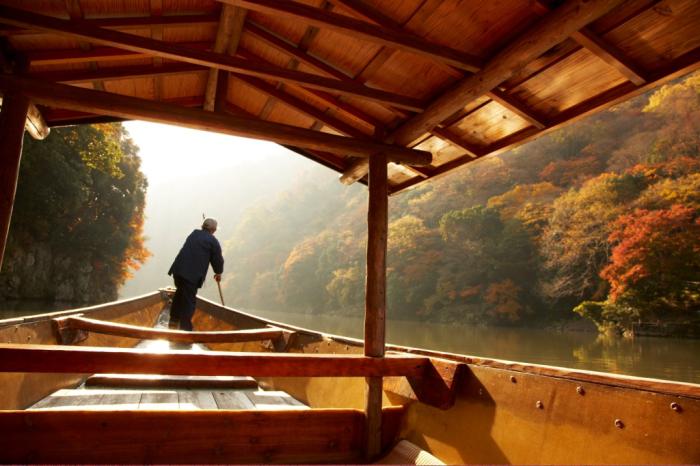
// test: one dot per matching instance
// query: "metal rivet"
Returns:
(513, 379)
(580, 390)
(539, 405)
(676, 407)
(619, 424)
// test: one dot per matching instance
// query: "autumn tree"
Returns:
(655, 262)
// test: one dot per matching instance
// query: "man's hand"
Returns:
(217, 277)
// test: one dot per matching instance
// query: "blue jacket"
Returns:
(192, 262)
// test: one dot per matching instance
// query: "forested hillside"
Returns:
(602, 216)
(76, 231)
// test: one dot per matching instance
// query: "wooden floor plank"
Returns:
(232, 400)
(196, 399)
(159, 399)
(268, 400)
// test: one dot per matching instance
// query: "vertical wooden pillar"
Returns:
(375, 294)
(12, 120)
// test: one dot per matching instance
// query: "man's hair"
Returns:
(209, 224)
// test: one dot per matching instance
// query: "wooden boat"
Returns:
(390, 93)
(305, 404)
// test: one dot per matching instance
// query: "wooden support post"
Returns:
(12, 120)
(375, 297)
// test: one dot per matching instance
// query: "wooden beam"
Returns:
(89, 360)
(302, 106)
(375, 295)
(200, 57)
(130, 22)
(230, 28)
(681, 66)
(449, 136)
(145, 333)
(333, 101)
(36, 125)
(545, 34)
(114, 73)
(363, 30)
(325, 436)
(610, 55)
(13, 117)
(603, 50)
(518, 108)
(86, 100)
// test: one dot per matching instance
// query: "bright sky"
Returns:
(167, 151)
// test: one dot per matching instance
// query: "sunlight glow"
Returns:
(170, 152)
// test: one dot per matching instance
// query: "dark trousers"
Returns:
(184, 303)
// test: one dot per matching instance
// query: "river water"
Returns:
(663, 358)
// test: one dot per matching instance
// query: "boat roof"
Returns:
(433, 84)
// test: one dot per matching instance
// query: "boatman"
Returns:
(190, 269)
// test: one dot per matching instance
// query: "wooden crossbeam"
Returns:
(302, 106)
(230, 29)
(131, 22)
(362, 30)
(113, 73)
(325, 97)
(682, 65)
(449, 136)
(312, 436)
(610, 55)
(176, 52)
(90, 360)
(602, 49)
(104, 103)
(551, 30)
(145, 333)
(518, 108)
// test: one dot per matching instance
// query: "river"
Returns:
(662, 358)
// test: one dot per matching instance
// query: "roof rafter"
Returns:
(302, 106)
(362, 30)
(227, 38)
(200, 57)
(304, 57)
(603, 50)
(551, 30)
(104, 103)
(682, 65)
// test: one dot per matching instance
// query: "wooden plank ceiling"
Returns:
(337, 80)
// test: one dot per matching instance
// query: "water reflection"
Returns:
(663, 358)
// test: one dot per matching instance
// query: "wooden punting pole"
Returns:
(12, 121)
(375, 294)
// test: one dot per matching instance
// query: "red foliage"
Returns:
(664, 244)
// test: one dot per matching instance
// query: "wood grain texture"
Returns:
(146, 333)
(78, 359)
(201, 436)
(176, 52)
(87, 100)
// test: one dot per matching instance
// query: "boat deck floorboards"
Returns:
(88, 398)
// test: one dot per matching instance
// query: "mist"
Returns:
(193, 173)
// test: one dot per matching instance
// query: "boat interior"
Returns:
(112, 383)
(390, 93)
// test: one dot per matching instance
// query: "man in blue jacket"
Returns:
(190, 269)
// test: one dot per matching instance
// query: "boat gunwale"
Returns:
(81, 310)
(665, 387)
(649, 384)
